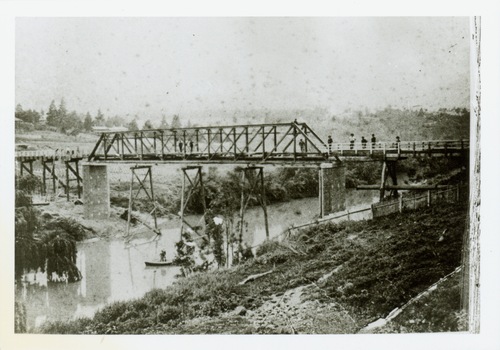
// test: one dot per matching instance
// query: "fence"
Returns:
(415, 201)
(452, 194)
(347, 216)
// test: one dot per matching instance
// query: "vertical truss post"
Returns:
(162, 145)
(197, 141)
(235, 150)
(105, 139)
(130, 199)
(246, 140)
(196, 182)
(294, 142)
(44, 178)
(183, 202)
(256, 191)
(263, 143)
(67, 180)
(208, 141)
(382, 181)
(184, 144)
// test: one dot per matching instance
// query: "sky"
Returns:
(163, 66)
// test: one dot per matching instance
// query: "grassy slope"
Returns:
(438, 311)
(383, 263)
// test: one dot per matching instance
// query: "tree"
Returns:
(39, 247)
(28, 116)
(176, 121)
(72, 123)
(163, 123)
(99, 119)
(87, 122)
(52, 115)
(132, 126)
(147, 125)
(62, 112)
(19, 110)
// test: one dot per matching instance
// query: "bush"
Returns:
(28, 183)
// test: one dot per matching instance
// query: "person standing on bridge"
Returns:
(374, 140)
(352, 139)
(363, 142)
(330, 142)
(180, 146)
(398, 142)
(191, 145)
(302, 145)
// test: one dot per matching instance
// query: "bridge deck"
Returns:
(285, 143)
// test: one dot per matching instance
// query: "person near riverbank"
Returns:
(352, 139)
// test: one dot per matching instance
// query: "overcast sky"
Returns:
(154, 66)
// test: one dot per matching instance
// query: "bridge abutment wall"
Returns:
(332, 192)
(96, 191)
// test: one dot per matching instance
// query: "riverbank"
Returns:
(333, 278)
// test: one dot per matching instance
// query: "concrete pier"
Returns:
(96, 191)
(332, 192)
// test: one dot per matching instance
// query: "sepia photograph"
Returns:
(208, 175)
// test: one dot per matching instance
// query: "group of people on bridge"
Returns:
(364, 142)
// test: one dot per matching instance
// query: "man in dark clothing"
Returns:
(363, 142)
(330, 141)
(302, 145)
(180, 146)
(374, 140)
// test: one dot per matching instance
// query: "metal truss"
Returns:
(263, 143)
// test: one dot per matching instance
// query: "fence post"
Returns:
(400, 204)
(428, 198)
(458, 193)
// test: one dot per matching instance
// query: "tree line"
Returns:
(59, 118)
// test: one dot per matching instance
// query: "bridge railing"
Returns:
(402, 146)
(53, 154)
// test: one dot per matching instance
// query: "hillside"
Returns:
(333, 278)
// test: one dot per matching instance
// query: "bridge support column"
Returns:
(196, 183)
(143, 185)
(389, 168)
(331, 188)
(96, 191)
(28, 168)
(254, 175)
(76, 173)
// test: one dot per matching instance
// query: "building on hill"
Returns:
(99, 129)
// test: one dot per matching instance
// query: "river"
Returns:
(114, 271)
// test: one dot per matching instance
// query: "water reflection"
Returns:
(111, 271)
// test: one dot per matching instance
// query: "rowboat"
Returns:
(158, 263)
